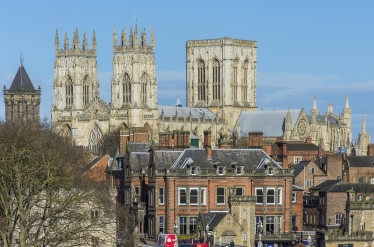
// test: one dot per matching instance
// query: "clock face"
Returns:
(301, 129)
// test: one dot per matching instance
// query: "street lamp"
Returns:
(260, 226)
(175, 228)
(309, 239)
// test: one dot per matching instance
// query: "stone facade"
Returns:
(221, 75)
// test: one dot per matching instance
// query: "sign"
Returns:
(345, 245)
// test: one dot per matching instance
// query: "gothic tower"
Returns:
(22, 101)
(77, 110)
(347, 127)
(363, 139)
(134, 85)
(221, 75)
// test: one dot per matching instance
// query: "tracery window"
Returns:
(216, 80)
(235, 80)
(69, 92)
(86, 91)
(201, 80)
(94, 137)
(144, 88)
(126, 87)
(245, 81)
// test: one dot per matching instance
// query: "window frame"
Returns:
(309, 183)
(259, 196)
(190, 196)
(297, 160)
(268, 196)
(294, 197)
(279, 196)
(338, 219)
(219, 196)
(220, 171)
(161, 196)
(180, 196)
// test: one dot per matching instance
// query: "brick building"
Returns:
(175, 186)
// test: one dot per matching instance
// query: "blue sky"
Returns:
(305, 48)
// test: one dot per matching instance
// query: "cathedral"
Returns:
(221, 95)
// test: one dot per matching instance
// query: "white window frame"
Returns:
(224, 196)
(179, 196)
(338, 219)
(197, 196)
(193, 170)
(371, 180)
(309, 183)
(279, 196)
(239, 170)
(202, 196)
(262, 191)
(274, 196)
(294, 196)
(161, 196)
(271, 171)
(312, 170)
(297, 160)
(220, 171)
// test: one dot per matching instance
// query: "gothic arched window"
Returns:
(144, 84)
(201, 80)
(245, 81)
(126, 87)
(216, 80)
(69, 93)
(94, 137)
(86, 91)
(235, 80)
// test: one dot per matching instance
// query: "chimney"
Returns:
(123, 139)
(371, 149)
(207, 143)
(284, 155)
(255, 139)
(162, 140)
(186, 139)
(308, 140)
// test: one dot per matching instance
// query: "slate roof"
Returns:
(249, 158)
(271, 123)
(301, 146)
(324, 185)
(212, 219)
(360, 161)
(343, 187)
(300, 167)
(296, 188)
(170, 111)
(22, 81)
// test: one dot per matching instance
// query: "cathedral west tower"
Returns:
(221, 75)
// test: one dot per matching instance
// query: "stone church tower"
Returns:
(22, 101)
(363, 139)
(134, 85)
(221, 75)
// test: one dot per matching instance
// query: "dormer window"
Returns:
(220, 170)
(193, 170)
(271, 170)
(238, 171)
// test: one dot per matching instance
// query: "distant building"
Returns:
(22, 100)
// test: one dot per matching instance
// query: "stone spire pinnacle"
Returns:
(363, 131)
(57, 41)
(94, 41)
(131, 38)
(66, 41)
(136, 42)
(152, 38)
(314, 110)
(123, 37)
(346, 105)
(144, 38)
(76, 40)
(114, 36)
(85, 43)
(315, 103)
(288, 121)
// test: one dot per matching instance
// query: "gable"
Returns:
(301, 129)
(94, 111)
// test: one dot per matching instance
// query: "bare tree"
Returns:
(44, 199)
